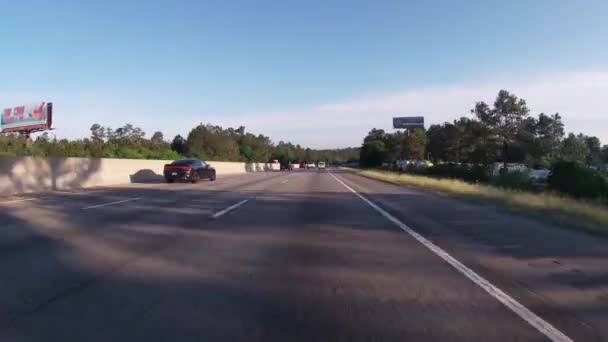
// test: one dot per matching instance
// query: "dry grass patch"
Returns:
(591, 216)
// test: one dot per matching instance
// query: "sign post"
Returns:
(407, 123)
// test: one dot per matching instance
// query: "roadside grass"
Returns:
(586, 215)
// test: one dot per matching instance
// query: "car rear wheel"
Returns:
(170, 180)
(194, 178)
(212, 178)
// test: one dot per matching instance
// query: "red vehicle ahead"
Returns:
(302, 165)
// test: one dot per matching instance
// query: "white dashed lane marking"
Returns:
(111, 203)
(229, 209)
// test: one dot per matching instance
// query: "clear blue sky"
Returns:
(167, 65)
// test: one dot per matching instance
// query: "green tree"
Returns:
(375, 134)
(526, 146)
(205, 141)
(395, 146)
(550, 130)
(373, 153)
(438, 143)
(308, 155)
(283, 152)
(92, 148)
(44, 137)
(253, 148)
(110, 133)
(574, 148)
(129, 134)
(594, 157)
(504, 119)
(414, 146)
(98, 133)
(179, 144)
(213, 143)
(479, 145)
(464, 140)
(157, 138)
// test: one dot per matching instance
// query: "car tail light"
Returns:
(178, 167)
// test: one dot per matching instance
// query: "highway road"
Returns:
(292, 256)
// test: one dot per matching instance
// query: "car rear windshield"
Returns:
(183, 162)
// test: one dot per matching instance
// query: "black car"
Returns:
(191, 170)
(286, 166)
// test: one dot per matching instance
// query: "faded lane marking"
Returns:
(533, 319)
(80, 193)
(112, 203)
(229, 209)
(285, 181)
(19, 200)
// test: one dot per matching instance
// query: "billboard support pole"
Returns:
(407, 123)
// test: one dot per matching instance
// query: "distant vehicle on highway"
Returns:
(321, 165)
(286, 166)
(191, 170)
(310, 166)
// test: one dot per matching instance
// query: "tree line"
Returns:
(504, 132)
(205, 141)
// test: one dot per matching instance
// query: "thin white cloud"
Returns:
(580, 97)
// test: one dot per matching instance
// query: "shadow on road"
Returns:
(160, 268)
(146, 176)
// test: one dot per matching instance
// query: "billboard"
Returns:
(409, 122)
(27, 118)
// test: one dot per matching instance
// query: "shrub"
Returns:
(542, 164)
(578, 180)
(448, 170)
(516, 180)
(415, 168)
(163, 154)
(469, 173)
(128, 153)
(479, 173)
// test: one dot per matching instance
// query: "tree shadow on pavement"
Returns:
(286, 266)
(172, 277)
(146, 176)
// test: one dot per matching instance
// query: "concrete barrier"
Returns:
(27, 174)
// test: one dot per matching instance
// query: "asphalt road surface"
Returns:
(292, 256)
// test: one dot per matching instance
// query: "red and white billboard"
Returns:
(27, 118)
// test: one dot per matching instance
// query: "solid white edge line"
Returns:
(530, 317)
(229, 209)
(112, 203)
